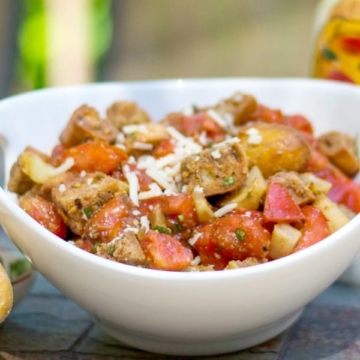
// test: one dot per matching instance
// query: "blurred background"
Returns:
(58, 42)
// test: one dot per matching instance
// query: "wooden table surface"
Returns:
(47, 325)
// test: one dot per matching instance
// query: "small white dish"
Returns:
(21, 273)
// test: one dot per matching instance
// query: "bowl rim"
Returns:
(62, 245)
(176, 82)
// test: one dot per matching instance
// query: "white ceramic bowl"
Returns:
(20, 271)
(180, 313)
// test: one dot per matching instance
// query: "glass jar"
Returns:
(336, 53)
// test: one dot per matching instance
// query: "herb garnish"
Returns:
(228, 181)
(88, 211)
(240, 234)
(162, 229)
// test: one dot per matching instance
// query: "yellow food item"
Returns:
(283, 240)
(274, 148)
(6, 294)
(337, 45)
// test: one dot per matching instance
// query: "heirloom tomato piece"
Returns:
(299, 122)
(144, 179)
(45, 213)
(194, 125)
(163, 252)
(315, 228)
(164, 148)
(112, 218)
(235, 236)
(344, 190)
(178, 209)
(280, 206)
(95, 156)
(268, 115)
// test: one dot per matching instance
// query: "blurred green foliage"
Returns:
(32, 39)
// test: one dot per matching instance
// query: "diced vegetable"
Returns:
(283, 240)
(164, 252)
(250, 194)
(280, 206)
(315, 228)
(315, 184)
(95, 156)
(335, 217)
(237, 236)
(38, 170)
(45, 213)
(203, 209)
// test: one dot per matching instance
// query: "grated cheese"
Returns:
(142, 146)
(192, 241)
(62, 188)
(134, 230)
(216, 154)
(217, 117)
(154, 191)
(160, 178)
(130, 129)
(64, 167)
(133, 184)
(231, 140)
(225, 209)
(255, 139)
(198, 189)
(196, 261)
(254, 136)
(144, 222)
(120, 138)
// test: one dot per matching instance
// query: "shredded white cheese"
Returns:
(62, 188)
(142, 146)
(196, 261)
(133, 184)
(255, 139)
(216, 154)
(225, 209)
(154, 191)
(198, 189)
(144, 222)
(192, 241)
(65, 166)
(217, 118)
(231, 140)
(130, 129)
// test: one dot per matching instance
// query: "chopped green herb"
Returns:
(88, 211)
(240, 234)
(177, 228)
(95, 246)
(228, 181)
(111, 249)
(328, 54)
(181, 218)
(162, 229)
